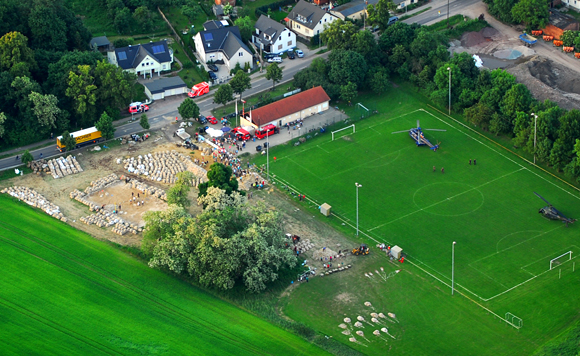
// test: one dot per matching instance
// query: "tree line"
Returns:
(490, 100)
(49, 81)
(534, 14)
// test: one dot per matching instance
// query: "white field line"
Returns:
(445, 200)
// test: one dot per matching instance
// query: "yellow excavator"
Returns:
(362, 250)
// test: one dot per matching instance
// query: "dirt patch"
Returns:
(345, 298)
(471, 39)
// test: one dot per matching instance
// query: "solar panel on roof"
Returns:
(122, 55)
(208, 36)
(158, 49)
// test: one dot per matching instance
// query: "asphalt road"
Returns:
(163, 113)
(427, 17)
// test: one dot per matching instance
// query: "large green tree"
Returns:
(188, 110)
(14, 51)
(535, 14)
(224, 94)
(114, 86)
(347, 66)
(241, 82)
(45, 108)
(105, 125)
(82, 90)
(348, 92)
(274, 73)
(144, 122)
(246, 26)
(178, 193)
(379, 14)
(219, 176)
(68, 141)
(339, 34)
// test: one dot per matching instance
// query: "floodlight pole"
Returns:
(535, 130)
(447, 13)
(268, 157)
(452, 266)
(449, 69)
(357, 186)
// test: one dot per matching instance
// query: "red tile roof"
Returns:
(288, 106)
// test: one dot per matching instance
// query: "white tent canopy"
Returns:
(214, 132)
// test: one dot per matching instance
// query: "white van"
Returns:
(392, 20)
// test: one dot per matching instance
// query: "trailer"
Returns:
(82, 138)
(528, 40)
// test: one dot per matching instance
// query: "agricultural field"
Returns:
(503, 246)
(63, 292)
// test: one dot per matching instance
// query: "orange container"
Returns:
(577, 55)
(558, 43)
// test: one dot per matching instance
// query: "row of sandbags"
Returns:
(82, 198)
(335, 270)
(121, 228)
(61, 167)
(32, 198)
(148, 190)
(101, 183)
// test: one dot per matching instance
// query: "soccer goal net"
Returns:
(345, 130)
(560, 259)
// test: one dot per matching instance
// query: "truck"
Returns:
(182, 134)
(83, 138)
(266, 131)
(528, 40)
(138, 107)
(198, 90)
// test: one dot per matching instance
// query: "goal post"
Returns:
(567, 256)
(344, 128)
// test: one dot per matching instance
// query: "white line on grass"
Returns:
(445, 200)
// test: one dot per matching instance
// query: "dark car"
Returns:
(202, 129)
(202, 120)
(213, 67)
(258, 148)
(212, 75)
(291, 55)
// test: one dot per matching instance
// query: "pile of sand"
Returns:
(318, 253)
(514, 53)
(488, 32)
(471, 39)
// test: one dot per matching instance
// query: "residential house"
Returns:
(354, 10)
(308, 20)
(143, 59)
(100, 44)
(296, 107)
(272, 36)
(164, 87)
(222, 45)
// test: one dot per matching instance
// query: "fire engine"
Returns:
(199, 90)
(266, 131)
(138, 107)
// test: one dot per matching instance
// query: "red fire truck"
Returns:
(242, 134)
(266, 131)
(199, 90)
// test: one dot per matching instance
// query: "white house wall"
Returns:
(242, 59)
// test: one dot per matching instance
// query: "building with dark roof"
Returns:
(101, 44)
(222, 45)
(163, 87)
(143, 59)
(272, 36)
(307, 19)
(354, 10)
(296, 107)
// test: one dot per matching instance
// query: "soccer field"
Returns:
(489, 209)
(63, 292)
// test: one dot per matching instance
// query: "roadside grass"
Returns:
(489, 209)
(65, 292)
(404, 17)
(10, 173)
(442, 25)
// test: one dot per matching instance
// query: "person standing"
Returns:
(442, 170)
(434, 169)
(470, 161)
(474, 162)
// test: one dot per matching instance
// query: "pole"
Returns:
(268, 157)
(237, 112)
(535, 131)
(452, 266)
(449, 69)
(447, 13)
(357, 186)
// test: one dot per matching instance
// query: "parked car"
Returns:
(275, 60)
(213, 67)
(299, 53)
(202, 120)
(392, 20)
(212, 120)
(291, 54)
(212, 76)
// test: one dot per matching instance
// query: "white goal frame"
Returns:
(344, 128)
(562, 255)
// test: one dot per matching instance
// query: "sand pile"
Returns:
(471, 39)
(488, 32)
(514, 53)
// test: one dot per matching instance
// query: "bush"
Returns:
(27, 157)
(263, 10)
(188, 64)
(123, 42)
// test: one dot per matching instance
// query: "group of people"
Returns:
(135, 200)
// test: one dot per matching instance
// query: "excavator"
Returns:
(362, 250)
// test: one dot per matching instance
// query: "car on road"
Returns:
(137, 107)
(275, 60)
(212, 120)
(213, 67)
(212, 76)
(291, 54)
(299, 53)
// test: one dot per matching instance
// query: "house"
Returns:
(272, 36)
(222, 45)
(164, 87)
(296, 107)
(100, 44)
(143, 59)
(354, 10)
(559, 23)
(307, 19)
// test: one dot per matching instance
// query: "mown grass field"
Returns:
(63, 292)
(503, 245)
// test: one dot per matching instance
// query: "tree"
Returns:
(246, 27)
(219, 176)
(240, 82)
(502, 9)
(68, 141)
(45, 108)
(27, 157)
(14, 50)
(144, 122)
(347, 66)
(81, 89)
(379, 14)
(274, 73)
(123, 20)
(364, 43)
(228, 9)
(479, 115)
(48, 30)
(2, 121)
(190, 12)
(517, 98)
(348, 92)
(224, 94)
(399, 33)
(143, 17)
(339, 34)
(535, 14)
(568, 37)
(105, 125)
(114, 86)
(180, 190)
(188, 110)
(380, 81)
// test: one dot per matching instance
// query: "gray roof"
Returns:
(269, 27)
(306, 14)
(212, 25)
(130, 57)
(163, 84)
(353, 7)
(218, 10)
(100, 41)
(225, 39)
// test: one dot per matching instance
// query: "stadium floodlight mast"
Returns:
(452, 266)
(535, 129)
(449, 69)
(357, 186)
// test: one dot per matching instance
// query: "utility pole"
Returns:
(447, 13)
(449, 70)
(535, 131)
(357, 186)
(452, 267)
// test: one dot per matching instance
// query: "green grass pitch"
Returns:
(63, 292)
(489, 209)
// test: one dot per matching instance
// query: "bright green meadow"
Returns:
(63, 292)
(503, 246)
